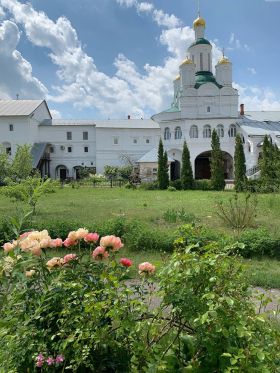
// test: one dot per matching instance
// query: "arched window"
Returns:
(207, 131)
(201, 61)
(220, 130)
(208, 109)
(232, 130)
(193, 132)
(178, 133)
(167, 134)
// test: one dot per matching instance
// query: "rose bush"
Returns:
(79, 312)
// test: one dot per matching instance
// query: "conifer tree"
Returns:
(186, 170)
(267, 162)
(166, 170)
(239, 165)
(217, 164)
(161, 173)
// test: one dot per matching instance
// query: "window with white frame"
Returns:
(193, 132)
(85, 149)
(69, 149)
(167, 133)
(69, 135)
(148, 141)
(232, 130)
(207, 131)
(135, 141)
(178, 133)
(115, 140)
(11, 127)
(220, 130)
(208, 109)
(85, 135)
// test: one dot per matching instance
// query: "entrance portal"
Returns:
(203, 169)
(175, 171)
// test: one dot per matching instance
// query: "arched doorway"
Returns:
(8, 147)
(61, 172)
(202, 166)
(175, 170)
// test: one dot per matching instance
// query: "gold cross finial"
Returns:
(198, 7)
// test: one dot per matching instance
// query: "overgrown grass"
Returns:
(263, 272)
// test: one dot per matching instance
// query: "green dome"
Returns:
(203, 77)
(200, 41)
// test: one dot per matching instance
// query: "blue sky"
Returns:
(110, 58)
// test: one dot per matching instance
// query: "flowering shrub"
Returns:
(78, 312)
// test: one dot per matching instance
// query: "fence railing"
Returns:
(253, 170)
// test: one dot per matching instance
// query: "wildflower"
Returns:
(111, 242)
(50, 361)
(39, 364)
(100, 253)
(69, 257)
(59, 359)
(126, 262)
(40, 361)
(30, 273)
(91, 237)
(55, 262)
(146, 268)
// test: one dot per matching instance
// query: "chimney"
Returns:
(128, 117)
(242, 111)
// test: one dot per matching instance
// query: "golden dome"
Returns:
(224, 60)
(187, 61)
(177, 78)
(199, 22)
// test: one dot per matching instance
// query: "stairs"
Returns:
(253, 173)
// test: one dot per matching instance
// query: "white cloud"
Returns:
(55, 114)
(16, 72)
(2, 13)
(145, 7)
(235, 43)
(252, 70)
(257, 98)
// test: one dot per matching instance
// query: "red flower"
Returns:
(126, 262)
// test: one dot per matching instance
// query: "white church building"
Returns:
(204, 99)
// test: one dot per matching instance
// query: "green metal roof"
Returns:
(203, 77)
(200, 41)
(173, 109)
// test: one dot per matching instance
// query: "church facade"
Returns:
(204, 100)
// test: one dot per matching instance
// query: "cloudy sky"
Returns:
(109, 58)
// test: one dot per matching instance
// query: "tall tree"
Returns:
(22, 163)
(186, 170)
(5, 166)
(239, 165)
(161, 169)
(217, 164)
(267, 162)
(166, 170)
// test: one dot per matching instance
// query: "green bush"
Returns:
(172, 216)
(193, 234)
(176, 184)
(151, 185)
(202, 185)
(171, 189)
(258, 243)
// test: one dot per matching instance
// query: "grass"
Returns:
(92, 205)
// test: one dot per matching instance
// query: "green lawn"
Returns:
(95, 205)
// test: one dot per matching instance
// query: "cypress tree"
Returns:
(239, 165)
(217, 164)
(267, 162)
(166, 170)
(186, 170)
(161, 169)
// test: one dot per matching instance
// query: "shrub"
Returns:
(202, 185)
(151, 185)
(171, 189)
(193, 234)
(258, 243)
(172, 216)
(176, 184)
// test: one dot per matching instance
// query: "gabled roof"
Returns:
(18, 107)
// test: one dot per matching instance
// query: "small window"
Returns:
(86, 149)
(9, 151)
(69, 149)
(209, 62)
(232, 130)
(154, 171)
(135, 141)
(85, 135)
(208, 109)
(207, 132)
(51, 148)
(116, 141)
(178, 133)
(69, 136)
(147, 141)
(201, 61)
(11, 127)
(193, 132)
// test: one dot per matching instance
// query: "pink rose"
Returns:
(68, 242)
(111, 242)
(39, 364)
(59, 359)
(91, 237)
(69, 257)
(57, 242)
(146, 268)
(126, 262)
(100, 253)
(8, 246)
(50, 361)
(40, 357)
